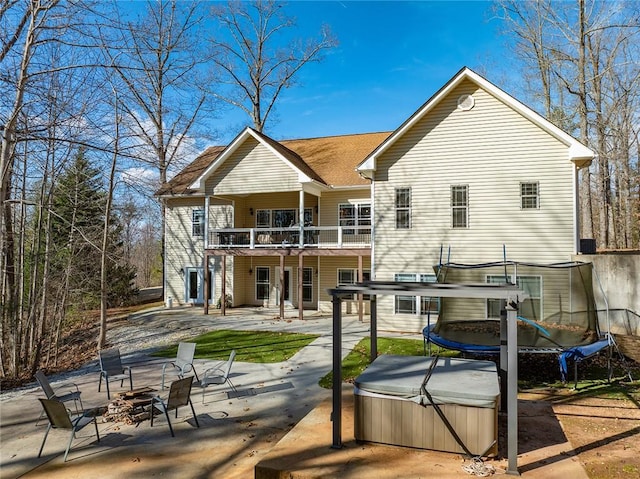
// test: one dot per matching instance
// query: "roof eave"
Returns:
(578, 153)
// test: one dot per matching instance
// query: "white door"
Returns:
(287, 285)
(194, 286)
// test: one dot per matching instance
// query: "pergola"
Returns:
(512, 296)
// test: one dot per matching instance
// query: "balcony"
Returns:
(293, 237)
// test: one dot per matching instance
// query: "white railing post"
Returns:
(339, 236)
(252, 238)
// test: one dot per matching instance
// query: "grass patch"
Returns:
(534, 370)
(358, 359)
(250, 346)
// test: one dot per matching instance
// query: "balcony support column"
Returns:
(281, 279)
(300, 288)
(301, 220)
(360, 295)
(223, 297)
(206, 222)
(207, 281)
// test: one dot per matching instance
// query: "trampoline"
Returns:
(560, 315)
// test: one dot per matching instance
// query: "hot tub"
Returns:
(390, 407)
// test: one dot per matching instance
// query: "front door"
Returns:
(287, 286)
(194, 286)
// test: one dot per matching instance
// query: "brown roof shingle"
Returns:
(331, 160)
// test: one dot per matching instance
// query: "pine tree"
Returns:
(78, 206)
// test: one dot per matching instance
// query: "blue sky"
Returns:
(391, 58)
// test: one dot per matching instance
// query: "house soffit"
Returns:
(577, 152)
(287, 156)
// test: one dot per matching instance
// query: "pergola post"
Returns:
(512, 389)
(336, 413)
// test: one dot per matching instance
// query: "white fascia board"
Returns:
(314, 188)
(200, 182)
(369, 165)
(576, 150)
(233, 146)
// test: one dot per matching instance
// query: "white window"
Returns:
(529, 196)
(350, 276)
(416, 304)
(262, 282)
(307, 285)
(460, 206)
(355, 214)
(403, 208)
(282, 218)
(197, 222)
(531, 308)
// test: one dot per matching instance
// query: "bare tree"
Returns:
(583, 51)
(253, 61)
(157, 59)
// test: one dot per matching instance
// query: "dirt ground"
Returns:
(605, 433)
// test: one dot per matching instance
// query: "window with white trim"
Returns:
(262, 282)
(348, 276)
(307, 285)
(282, 218)
(529, 196)
(197, 222)
(416, 304)
(355, 214)
(403, 208)
(530, 308)
(460, 206)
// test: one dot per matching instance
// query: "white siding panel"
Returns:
(253, 168)
(329, 203)
(491, 149)
(183, 250)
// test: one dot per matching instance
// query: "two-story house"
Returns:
(471, 174)
(277, 223)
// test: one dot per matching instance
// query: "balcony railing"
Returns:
(312, 237)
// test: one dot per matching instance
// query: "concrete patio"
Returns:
(276, 426)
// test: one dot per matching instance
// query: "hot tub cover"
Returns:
(453, 381)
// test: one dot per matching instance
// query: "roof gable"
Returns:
(305, 174)
(577, 152)
(328, 162)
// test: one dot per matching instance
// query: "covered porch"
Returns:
(281, 253)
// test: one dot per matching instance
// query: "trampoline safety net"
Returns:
(560, 312)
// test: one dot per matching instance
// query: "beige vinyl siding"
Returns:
(245, 283)
(328, 279)
(329, 203)
(491, 149)
(253, 168)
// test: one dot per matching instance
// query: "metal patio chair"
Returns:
(59, 419)
(72, 395)
(179, 395)
(183, 363)
(218, 374)
(111, 369)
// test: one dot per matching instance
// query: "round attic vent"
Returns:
(466, 102)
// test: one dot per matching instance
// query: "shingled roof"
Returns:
(330, 160)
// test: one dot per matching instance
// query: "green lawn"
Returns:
(250, 346)
(534, 371)
(358, 359)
